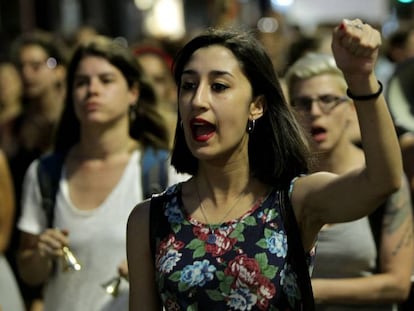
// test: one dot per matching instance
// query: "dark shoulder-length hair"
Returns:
(51, 44)
(277, 148)
(146, 126)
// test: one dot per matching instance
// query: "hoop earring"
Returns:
(250, 126)
(132, 112)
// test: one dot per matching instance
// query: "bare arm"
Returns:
(7, 203)
(407, 151)
(392, 283)
(358, 192)
(143, 293)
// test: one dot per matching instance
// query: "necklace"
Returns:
(211, 238)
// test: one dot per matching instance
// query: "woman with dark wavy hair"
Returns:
(239, 234)
(110, 118)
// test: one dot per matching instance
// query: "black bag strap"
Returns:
(158, 222)
(48, 174)
(158, 225)
(154, 176)
(296, 253)
(154, 166)
(376, 219)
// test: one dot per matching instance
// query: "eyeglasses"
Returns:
(36, 65)
(325, 102)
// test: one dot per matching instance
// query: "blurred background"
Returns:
(175, 20)
(30, 109)
(134, 19)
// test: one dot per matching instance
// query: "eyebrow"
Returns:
(211, 73)
(102, 74)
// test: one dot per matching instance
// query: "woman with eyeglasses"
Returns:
(364, 264)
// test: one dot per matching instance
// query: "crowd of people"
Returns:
(277, 188)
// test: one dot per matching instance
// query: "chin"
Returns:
(321, 147)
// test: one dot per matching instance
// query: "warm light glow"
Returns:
(51, 63)
(166, 19)
(283, 3)
(268, 24)
(144, 4)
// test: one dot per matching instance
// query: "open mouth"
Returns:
(318, 134)
(202, 130)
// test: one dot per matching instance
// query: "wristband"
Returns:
(366, 97)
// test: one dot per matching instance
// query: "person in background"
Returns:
(401, 44)
(351, 271)
(108, 121)
(407, 152)
(398, 48)
(10, 105)
(41, 62)
(397, 66)
(157, 65)
(10, 297)
(84, 34)
(220, 240)
(319, 42)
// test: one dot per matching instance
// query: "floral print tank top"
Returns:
(238, 265)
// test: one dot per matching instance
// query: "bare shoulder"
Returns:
(139, 216)
(138, 227)
(309, 184)
(143, 295)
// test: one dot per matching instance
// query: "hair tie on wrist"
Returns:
(366, 97)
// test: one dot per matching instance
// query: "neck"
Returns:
(340, 159)
(49, 104)
(222, 188)
(224, 181)
(105, 143)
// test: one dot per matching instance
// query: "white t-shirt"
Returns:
(97, 239)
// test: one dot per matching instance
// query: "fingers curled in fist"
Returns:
(358, 38)
(51, 242)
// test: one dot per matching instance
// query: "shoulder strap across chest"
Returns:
(154, 176)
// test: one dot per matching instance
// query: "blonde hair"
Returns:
(311, 65)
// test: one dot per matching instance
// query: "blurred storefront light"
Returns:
(166, 19)
(281, 5)
(144, 4)
(268, 24)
